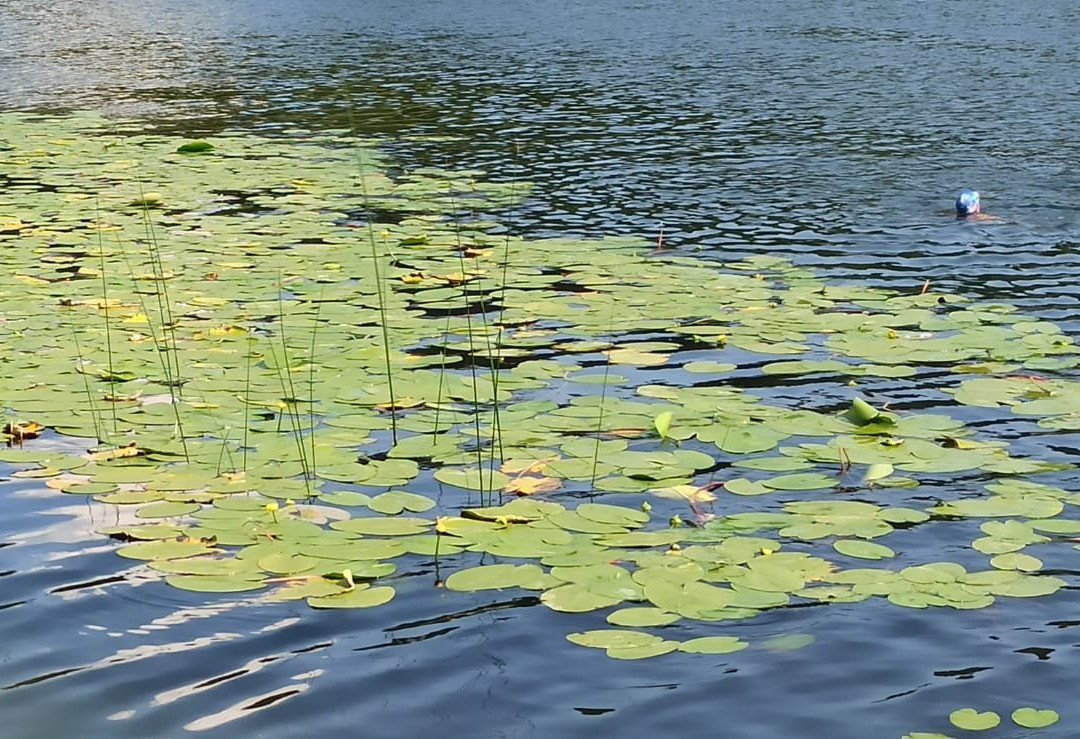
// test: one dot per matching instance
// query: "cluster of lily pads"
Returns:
(265, 340)
(971, 719)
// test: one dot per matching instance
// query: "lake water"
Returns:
(834, 134)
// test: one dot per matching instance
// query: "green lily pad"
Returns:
(610, 514)
(164, 549)
(713, 645)
(491, 577)
(395, 502)
(576, 598)
(362, 596)
(1016, 561)
(970, 719)
(612, 638)
(801, 481)
(863, 549)
(214, 583)
(345, 498)
(1035, 718)
(472, 478)
(166, 510)
(641, 616)
(643, 652)
(383, 526)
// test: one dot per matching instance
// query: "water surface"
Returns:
(834, 135)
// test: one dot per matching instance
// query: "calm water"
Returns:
(836, 134)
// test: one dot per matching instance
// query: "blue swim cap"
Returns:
(967, 203)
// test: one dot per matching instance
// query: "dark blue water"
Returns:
(835, 134)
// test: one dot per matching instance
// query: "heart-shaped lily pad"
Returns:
(970, 719)
(1035, 718)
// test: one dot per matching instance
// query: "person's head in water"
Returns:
(967, 203)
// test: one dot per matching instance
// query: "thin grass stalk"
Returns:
(289, 391)
(221, 452)
(492, 363)
(105, 311)
(502, 307)
(311, 384)
(472, 363)
(247, 398)
(603, 397)
(161, 354)
(359, 153)
(86, 384)
(442, 372)
(165, 315)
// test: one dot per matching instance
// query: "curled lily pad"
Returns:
(197, 146)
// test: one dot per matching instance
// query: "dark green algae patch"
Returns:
(297, 374)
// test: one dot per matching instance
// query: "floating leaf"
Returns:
(490, 577)
(713, 645)
(641, 617)
(575, 598)
(164, 549)
(662, 424)
(195, 147)
(801, 481)
(472, 478)
(214, 583)
(166, 510)
(345, 498)
(395, 502)
(878, 471)
(530, 485)
(612, 638)
(361, 596)
(643, 652)
(383, 526)
(1035, 718)
(863, 549)
(788, 642)
(971, 720)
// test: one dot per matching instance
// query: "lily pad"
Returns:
(1035, 718)
(713, 645)
(362, 596)
(970, 719)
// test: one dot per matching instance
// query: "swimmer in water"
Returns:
(968, 207)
